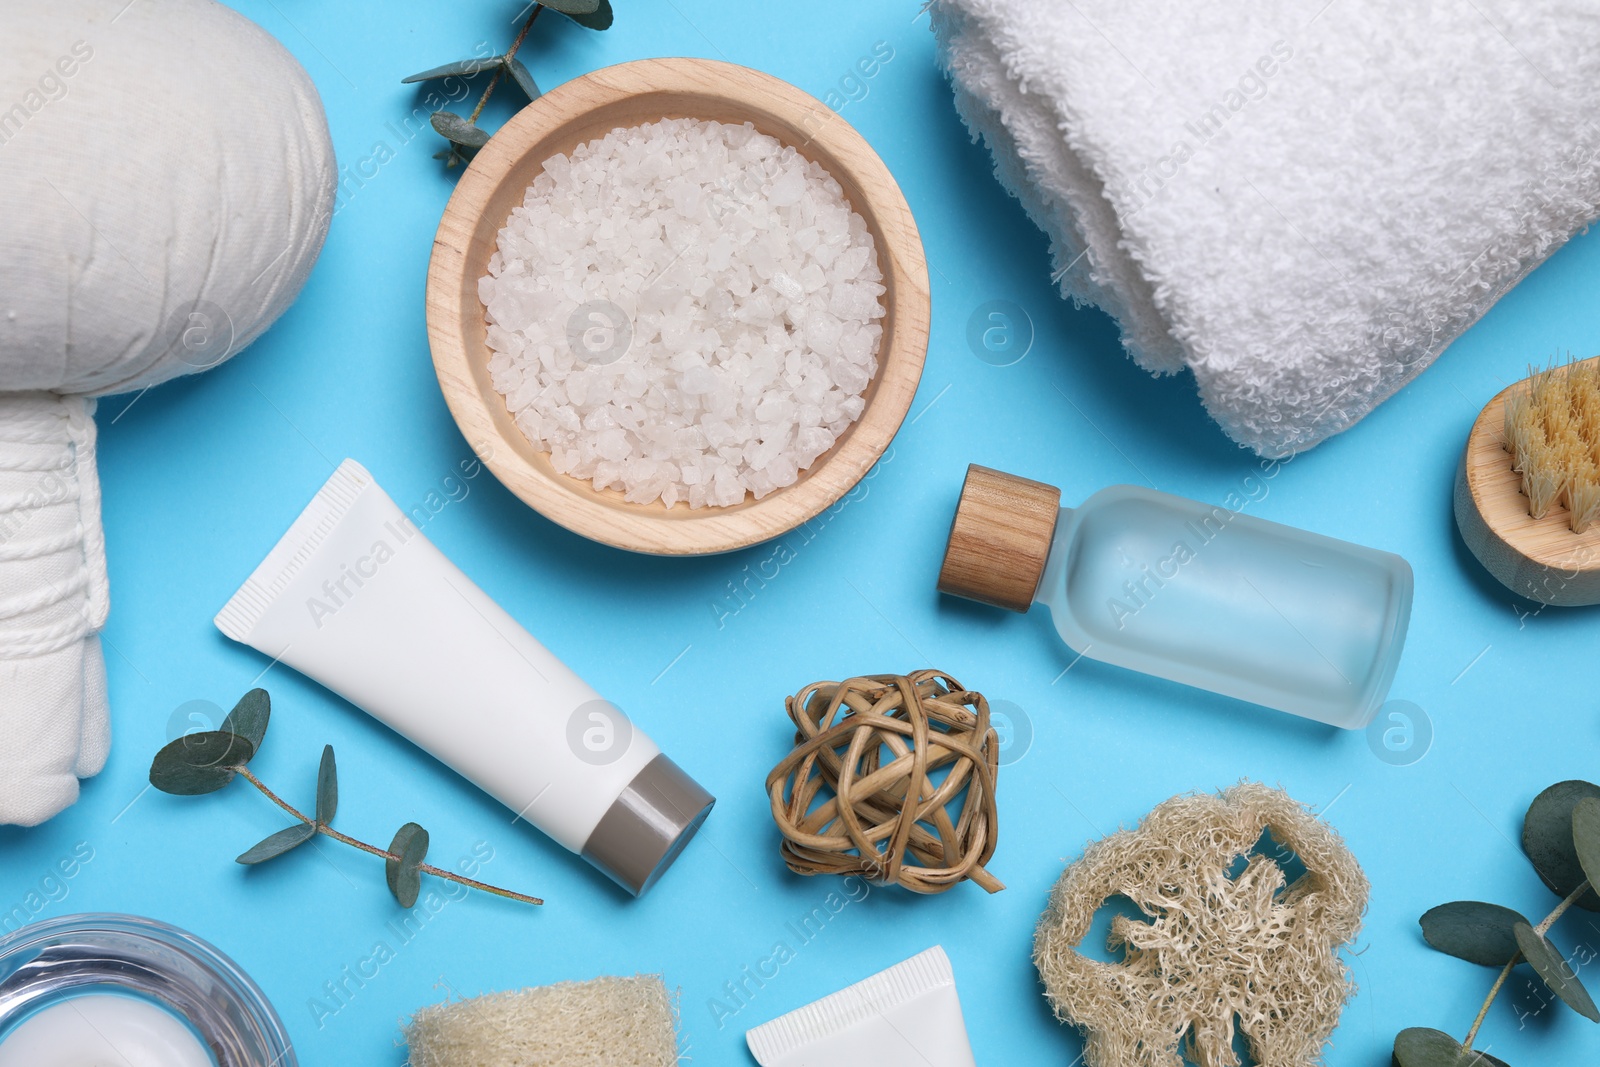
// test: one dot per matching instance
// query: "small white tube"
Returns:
(357, 598)
(907, 1014)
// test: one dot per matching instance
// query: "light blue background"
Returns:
(202, 476)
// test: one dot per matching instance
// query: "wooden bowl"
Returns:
(1541, 559)
(587, 108)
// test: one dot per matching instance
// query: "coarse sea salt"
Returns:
(684, 311)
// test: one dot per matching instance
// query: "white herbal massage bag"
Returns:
(166, 182)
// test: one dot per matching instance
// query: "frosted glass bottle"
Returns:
(1183, 590)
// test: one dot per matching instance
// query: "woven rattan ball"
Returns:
(861, 793)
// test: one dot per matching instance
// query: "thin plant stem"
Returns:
(1505, 972)
(1483, 1012)
(501, 72)
(425, 868)
(1561, 908)
(487, 92)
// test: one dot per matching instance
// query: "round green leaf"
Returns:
(572, 7)
(1586, 837)
(1421, 1047)
(598, 19)
(279, 843)
(1547, 839)
(327, 787)
(1473, 931)
(200, 762)
(461, 68)
(249, 717)
(1552, 969)
(458, 129)
(519, 74)
(410, 844)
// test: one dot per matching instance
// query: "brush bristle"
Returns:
(1552, 430)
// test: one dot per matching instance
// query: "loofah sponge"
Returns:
(1225, 947)
(606, 1022)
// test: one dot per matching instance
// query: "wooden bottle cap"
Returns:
(999, 539)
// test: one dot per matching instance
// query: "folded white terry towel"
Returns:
(54, 724)
(1303, 201)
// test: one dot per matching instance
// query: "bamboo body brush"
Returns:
(1527, 495)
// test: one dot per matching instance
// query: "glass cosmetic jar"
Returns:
(149, 991)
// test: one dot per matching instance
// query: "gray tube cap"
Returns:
(647, 826)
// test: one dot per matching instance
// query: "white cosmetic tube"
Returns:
(355, 597)
(907, 1014)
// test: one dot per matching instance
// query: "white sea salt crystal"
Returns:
(783, 470)
(850, 378)
(787, 287)
(750, 289)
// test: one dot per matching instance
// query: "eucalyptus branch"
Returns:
(206, 762)
(1505, 972)
(463, 133)
(511, 53)
(423, 868)
(1561, 836)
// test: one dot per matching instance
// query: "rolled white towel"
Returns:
(54, 724)
(1303, 202)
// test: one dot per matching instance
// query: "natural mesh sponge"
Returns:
(606, 1022)
(1222, 944)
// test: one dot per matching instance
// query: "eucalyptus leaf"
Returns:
(599, 19)
(327, 787)
(249, 717)
(200, 762)
(459, 130)
(1586, 837)
(520, 75)
(460, 68)
(572, 7)
(1473, 931)
(279, 843)
(1421, 1047)
(410, 844)
(1552, 969)
(1547, 839)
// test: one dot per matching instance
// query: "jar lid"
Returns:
(1000, 539)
